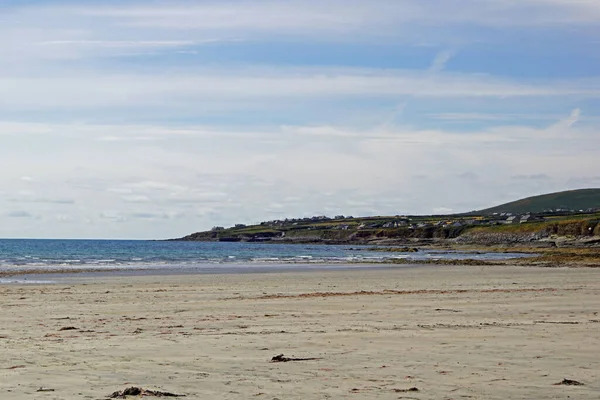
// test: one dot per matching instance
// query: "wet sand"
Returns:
(490, 332)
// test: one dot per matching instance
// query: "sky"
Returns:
(156, 119)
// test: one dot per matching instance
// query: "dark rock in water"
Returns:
(260, 239)
(230, 239)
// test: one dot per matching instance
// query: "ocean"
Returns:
(22, 256)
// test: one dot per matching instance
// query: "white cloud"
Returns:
(75, 31)
(120, 114)
(440, 61)
(128, 139)
(304, 16)
(476, 117)
(171, 91)
(148, 215)
(119, 43)
(573, 118)
(136, 199)
(532, 177)
(32, 199)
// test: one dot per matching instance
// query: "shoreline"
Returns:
(345, 258)
(125, 258)
(63, 276)
(528, 257)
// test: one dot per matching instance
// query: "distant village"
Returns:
(341, 222)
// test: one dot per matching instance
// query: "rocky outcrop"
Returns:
(583, 232)
(500, 238)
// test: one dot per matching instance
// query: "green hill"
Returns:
(561, 215)
(573, 200)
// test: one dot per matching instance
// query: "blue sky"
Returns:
(155, 119)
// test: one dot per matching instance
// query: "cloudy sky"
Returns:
(150, 119)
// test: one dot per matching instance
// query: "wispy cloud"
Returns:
(120, 43)
(154, 119)
(337, 15)
(568, 122)
(33, 199)
(125, 136)
(75, 28)
(470, 117)
(439, 63)
(81, 91)
(533, 177)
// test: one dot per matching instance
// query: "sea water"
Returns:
(39, 256)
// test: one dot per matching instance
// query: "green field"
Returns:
(575, 200)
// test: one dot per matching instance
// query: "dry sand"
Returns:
(450, 332)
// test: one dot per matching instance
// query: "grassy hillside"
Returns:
(477, 227)
(575, 200)
(356, 230)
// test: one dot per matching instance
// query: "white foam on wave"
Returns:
(4, 281)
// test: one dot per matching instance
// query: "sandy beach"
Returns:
(430, 332)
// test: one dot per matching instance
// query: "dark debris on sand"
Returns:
(68, 328)
(282, 358)
(412, 389)
(136, 391)
(569, 382)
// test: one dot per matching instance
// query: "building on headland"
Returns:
(522, 219)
